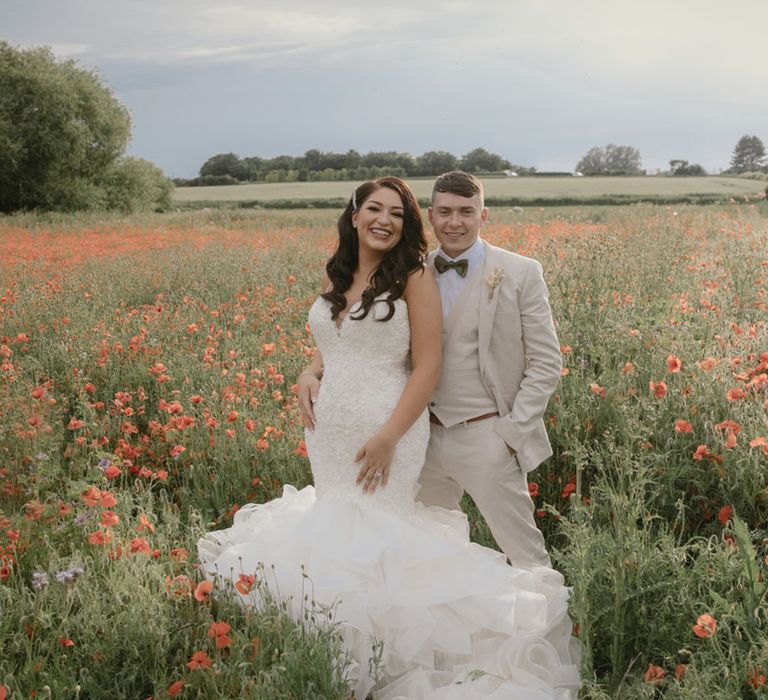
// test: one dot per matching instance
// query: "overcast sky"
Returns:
(537, 81)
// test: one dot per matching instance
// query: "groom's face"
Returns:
(456, 221)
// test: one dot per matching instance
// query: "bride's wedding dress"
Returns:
(441, 618)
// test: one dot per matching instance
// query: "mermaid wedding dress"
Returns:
(438, 616)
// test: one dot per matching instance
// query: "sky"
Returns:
(539, 82)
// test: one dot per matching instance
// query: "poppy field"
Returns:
(147, 370)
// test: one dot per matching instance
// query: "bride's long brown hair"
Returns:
(392, 272)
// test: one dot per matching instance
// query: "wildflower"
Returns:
(533, 489)
(680, 670)
(705, 627)
(202, 591)
(683, 426)
(628, 368)
(267, 348)
(200, 659)
(175, 688)
(140, 544)
(301, 449)
(100, 537)
(597, 390)
(66, 642)
(735, 394)
(176, 450)
(245, 583)
(66, 576)
(112, 472)
(144, 524)
(724, 514)
(701, 452)
(674, 364)
(232, 416)
(108, 518)
(754, 678)
(708, 364)
(179, 554)
(179, 586)
(107, 500)
(729, 425)
(655, 675)
(75, 424)
(39, 580)
(659, 389)
(219, 631)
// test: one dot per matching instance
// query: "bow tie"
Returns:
(461, 266)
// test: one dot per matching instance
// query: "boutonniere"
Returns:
(494, 279)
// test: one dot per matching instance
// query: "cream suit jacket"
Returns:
(519, 353)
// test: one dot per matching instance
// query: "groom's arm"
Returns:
(543, 362)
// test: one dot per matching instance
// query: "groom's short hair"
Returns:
(460, 183)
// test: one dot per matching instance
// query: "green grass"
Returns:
(108, 320)
(517, 188)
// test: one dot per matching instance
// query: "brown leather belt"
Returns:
(434, 419)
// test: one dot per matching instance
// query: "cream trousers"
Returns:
(472, 457)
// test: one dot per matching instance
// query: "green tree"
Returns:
(62, 132)
(610, 160)
(683, 167)
(436, 162)
(480, 160)
(748, 155)
(225, 164)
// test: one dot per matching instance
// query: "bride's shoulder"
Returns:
(421, 288)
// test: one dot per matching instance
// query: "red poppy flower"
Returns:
(674, 364)
(724, 514)
(705, 626)
(200, 659)
(655, 675)
(202, 591)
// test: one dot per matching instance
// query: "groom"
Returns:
(501, 363)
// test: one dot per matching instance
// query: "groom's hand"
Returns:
(308, 390)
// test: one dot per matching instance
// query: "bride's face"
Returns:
(379, 220)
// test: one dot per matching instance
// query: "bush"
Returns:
(135, 184)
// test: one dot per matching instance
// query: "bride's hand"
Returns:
(309, 388)
(376, 455)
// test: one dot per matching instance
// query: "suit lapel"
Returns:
(487, 308)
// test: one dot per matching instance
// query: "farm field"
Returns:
(523, 187)
(147, 370)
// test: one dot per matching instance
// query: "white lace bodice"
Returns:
(365, 369)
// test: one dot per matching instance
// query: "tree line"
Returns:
(228, 168)
(316, 165)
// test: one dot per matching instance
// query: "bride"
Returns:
(438, 616)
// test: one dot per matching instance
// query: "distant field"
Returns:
(523, 187)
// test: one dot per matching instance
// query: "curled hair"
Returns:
(392, 273)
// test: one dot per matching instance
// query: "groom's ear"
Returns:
(429, 216)
(484, 216)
